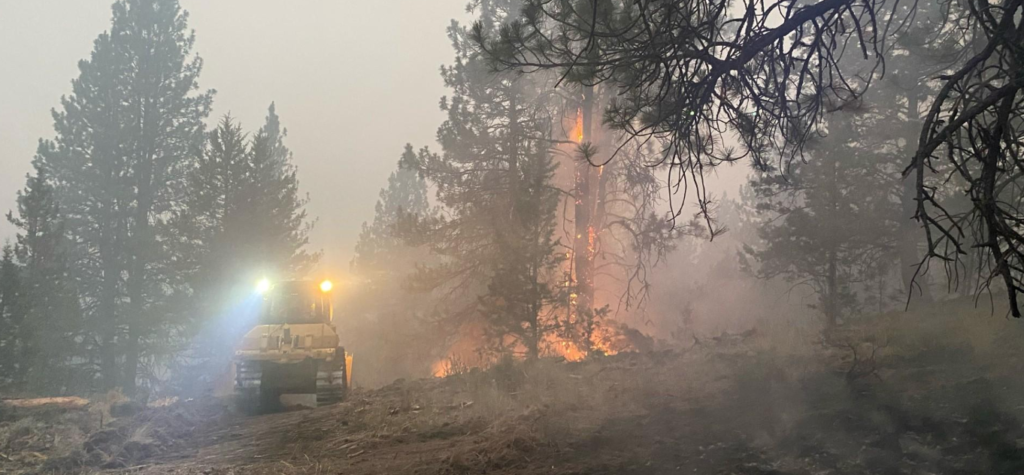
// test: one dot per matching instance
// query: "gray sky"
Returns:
(353, 82)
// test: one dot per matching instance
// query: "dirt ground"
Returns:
(948, 399)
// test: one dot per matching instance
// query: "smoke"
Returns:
(706, 288)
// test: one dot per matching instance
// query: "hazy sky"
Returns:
(353, 82)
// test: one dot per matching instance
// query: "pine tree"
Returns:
(520, 299)
(406, 194)
(126, 138)
(50, 323)
(896, 107)
(245, 210)
(215, 217)
(823, 225)
(870, 236)
(281, 226)
(210, 241)
(495, 236)
(388, 322)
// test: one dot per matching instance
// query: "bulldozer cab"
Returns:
(296, 302)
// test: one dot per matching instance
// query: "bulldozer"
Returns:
(292, 357)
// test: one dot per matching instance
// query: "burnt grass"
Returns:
(950, 405)
(869, 428)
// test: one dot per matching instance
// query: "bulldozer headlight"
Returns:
(326, 286)
(263, 286)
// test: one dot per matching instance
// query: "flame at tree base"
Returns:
(607, 338)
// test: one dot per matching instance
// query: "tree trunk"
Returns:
(584, 245)
(131, 357)
(108, 313)
(148, 177)
(533, 333)
(137, 278)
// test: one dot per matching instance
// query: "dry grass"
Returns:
(80, 441)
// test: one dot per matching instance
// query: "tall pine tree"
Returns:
(210, 229)
(281, 226)
(214, 220)
(247, 214)
(126, 138)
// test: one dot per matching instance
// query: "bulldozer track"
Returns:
(331, 385)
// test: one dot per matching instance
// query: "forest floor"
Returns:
(938, 391)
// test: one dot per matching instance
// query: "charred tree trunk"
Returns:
(584, 190)
(530, 335)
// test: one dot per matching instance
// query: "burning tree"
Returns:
(504, 178)
(619, 227)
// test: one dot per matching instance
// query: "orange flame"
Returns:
(568, 350)
(591, 243)
(577, 131)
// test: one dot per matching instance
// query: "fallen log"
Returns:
(69, 402)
